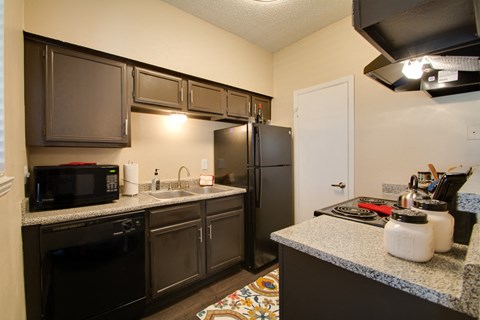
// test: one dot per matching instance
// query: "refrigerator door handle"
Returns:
(258, 187)
(258, 147)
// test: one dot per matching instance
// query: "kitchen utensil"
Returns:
(383, 209)
(433, 170)
(424, 176)
(405, 200)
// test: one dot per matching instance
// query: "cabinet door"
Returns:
(177, 256)
(224, 240)
(206, 98)
(158, 89)
(238, 104)
(264, 104)
(86, 99)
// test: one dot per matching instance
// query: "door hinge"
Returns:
(295, 112)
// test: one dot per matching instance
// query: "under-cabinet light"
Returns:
(178, 118)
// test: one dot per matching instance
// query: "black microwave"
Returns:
(60, 187)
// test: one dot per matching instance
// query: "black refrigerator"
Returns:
(258, 157)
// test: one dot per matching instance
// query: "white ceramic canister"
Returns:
(442, 222)
(409, 236)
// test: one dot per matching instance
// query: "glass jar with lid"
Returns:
(409, 236)
(441, 220)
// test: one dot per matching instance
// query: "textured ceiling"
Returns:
(270, 25)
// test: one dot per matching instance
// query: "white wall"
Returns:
(154, 32)
(12, 303)
(396, 134)
(156, 144)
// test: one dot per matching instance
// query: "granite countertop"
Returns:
(469, 193)
(450, 279)
(125, 204)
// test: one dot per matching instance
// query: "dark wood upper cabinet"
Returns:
(80, 97)
(158, 89)
(264, 104)
(206, 98)
(74, 99)
(238, 104)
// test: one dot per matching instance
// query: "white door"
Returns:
(323, 127)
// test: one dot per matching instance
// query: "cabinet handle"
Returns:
(126, 126)
(249, 108)
(181, 94)
(201, 236)
(255, 109)
(210, 232)
(191, 96)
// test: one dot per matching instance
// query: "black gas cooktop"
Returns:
(372, 211)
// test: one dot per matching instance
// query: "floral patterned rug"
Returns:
(256, 301)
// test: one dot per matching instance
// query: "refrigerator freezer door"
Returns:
(269, 145)
(270, 209)
(230, 156)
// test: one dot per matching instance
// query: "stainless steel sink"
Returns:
(171, 194)
(206, 190)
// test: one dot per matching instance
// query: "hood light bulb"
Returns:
(413, 69)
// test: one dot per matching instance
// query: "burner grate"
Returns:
(354, 212)
(372, 200)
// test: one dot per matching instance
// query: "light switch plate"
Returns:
(474, 132)
(204, 164)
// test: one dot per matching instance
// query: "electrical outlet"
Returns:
(474, 132)
(204, 164)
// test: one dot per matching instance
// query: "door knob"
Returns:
(341, 185)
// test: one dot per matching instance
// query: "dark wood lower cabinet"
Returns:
(224, 240)
(176, 251)
(314, 289)
(193, 241)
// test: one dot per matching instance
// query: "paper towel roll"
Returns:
(130, 177)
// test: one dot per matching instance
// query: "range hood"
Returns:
(404, 30)
(432, 82)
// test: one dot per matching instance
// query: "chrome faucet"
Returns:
(179, 171)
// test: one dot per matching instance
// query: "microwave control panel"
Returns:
(112, 183)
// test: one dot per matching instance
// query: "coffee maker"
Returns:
(446, 190)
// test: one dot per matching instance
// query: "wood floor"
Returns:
(187, 308)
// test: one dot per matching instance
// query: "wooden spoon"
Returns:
(433, 170)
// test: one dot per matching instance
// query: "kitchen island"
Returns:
(332, 268)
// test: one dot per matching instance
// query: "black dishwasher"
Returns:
(94, 268)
